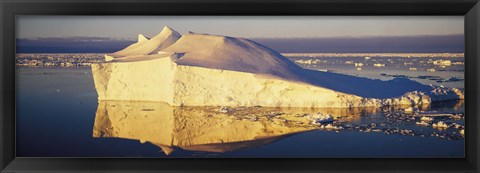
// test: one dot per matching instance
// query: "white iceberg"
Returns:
(210, 70)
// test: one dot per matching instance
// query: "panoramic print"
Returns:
(240, 87)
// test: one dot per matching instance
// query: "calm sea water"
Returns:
(58, 115)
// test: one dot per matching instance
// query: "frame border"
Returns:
(470, 9)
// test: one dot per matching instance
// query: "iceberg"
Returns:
(211, 70)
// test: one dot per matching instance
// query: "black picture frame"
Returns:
(470, 9)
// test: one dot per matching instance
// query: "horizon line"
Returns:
(317, 37)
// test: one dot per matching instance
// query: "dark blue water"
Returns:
(56, 109)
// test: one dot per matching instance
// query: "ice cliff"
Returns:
(210, 70)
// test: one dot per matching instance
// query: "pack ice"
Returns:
(211, 70)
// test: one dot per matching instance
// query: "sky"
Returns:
(283, 33)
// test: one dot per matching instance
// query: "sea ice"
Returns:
(442, 62)
(440, 124)
(408, 110)
(422, 123)
(320, 118)
(310, 61)
(379, 65)
(426, 119)
(330, 127)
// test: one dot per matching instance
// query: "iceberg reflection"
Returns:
(211, 129)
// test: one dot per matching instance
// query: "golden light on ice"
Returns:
(206, 128)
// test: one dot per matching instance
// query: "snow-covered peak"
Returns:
(167, 32)
(146, 46)
(230, 53)
(211, 51)
(142, 38)
(167, 29)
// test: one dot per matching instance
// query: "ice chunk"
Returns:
(330, 127)
(224, 109)
(310, 61)
(422, 123)
(408, 110)
(440, 124)
(379, 65)
(426, 119)
(320, 118)
(442, 62)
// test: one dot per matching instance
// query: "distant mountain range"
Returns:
(398, 44)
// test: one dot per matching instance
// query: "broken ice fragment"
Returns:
(426, 119)
(320, 118)
(440, 124)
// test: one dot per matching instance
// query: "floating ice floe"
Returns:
(431, 70)
(224, 109)
(457, 126)
(462, 132)
(422, 123)
(330, 127)
(324, 70)
(412, 69)
(435, 114)
(320, 118)
(442, 62)
(309, 61)
(440, 124)
(358, 64)
(408, 110)
(457, 116)
(426, 119)
(379, 65)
